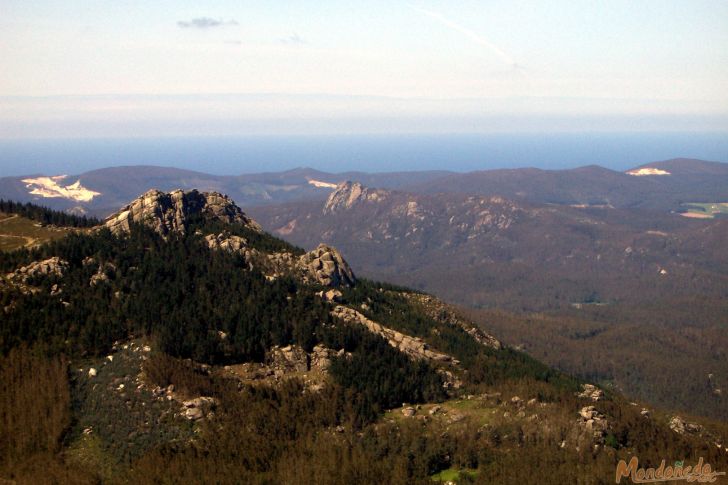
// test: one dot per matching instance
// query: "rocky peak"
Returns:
(170, 212)
(326, 266)
(348, 194)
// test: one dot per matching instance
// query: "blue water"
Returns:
(374, 153)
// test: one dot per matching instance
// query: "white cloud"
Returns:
(204, 23)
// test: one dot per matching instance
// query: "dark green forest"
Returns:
(178, 295)
(45, 215)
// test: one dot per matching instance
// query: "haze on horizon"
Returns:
(80, 69)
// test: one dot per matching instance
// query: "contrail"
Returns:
(477, 38)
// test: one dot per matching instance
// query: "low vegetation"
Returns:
(45, 215)
(95, 374)
(18, 232)
(702, 210)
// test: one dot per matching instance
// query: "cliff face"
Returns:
(171, 212)
(348, 194)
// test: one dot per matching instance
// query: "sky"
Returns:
(132, 68)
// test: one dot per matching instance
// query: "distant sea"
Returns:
(372, 153)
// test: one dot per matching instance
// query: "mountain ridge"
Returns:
(200, 346)
(698, 181)
(619, 271)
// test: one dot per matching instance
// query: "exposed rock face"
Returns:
(348, 194)
(226, 242)
(19, 278)
(334, 296)
(170, 212)
(232, 244)
(278, 264)
(321, 357)
(443, 313)
(680, 426)
(54, 266)
(594, 422)
(198, 408)
(291, 358)
(590, 391)
(326, 266)
(102, 274)
(415, 347)
(291, 361)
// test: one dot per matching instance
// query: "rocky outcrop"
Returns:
(680, 426)
(54, 266)
(232, 244)
(171, 212)
(291, 361)
(414, 347)
(591, 392)
(408, 411)
(198, 408)
(320, 357)
(290, 358)
(293, 358)
(325, 265)
(279, 264)
(332, 296)
(348, 194)
(21, 278)
(594, 422)
(226, 242)
(442, 313)
(102, 274)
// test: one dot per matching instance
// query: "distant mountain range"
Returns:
(590, 284)
(672, 183)
(490, 251)
(583, 268)
(100, 192)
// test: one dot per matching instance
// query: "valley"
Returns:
(195, 341)
(583, 288)
(363, 243)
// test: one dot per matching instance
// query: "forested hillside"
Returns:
(216, 353)
(602, 283)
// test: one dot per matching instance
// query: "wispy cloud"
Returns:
(204, 23)
(294, 39)
(473, 36)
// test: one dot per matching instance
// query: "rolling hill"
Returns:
(684, 180)
(100, 192)
(180, 341)
(616, 274)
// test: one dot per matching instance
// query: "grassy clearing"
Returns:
(454, 412)
(453, 475)
(17, 232)
(705, 210)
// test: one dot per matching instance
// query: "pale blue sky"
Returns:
(142, 68)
